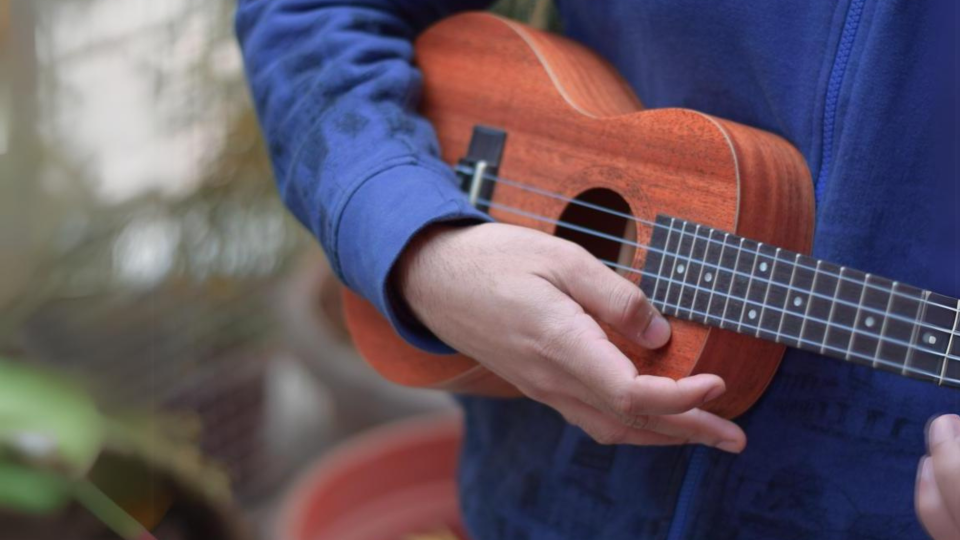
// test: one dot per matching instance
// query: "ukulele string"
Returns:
(654, 225)
(823, 346)
(853, 331)
(615, 239)
(901, 368)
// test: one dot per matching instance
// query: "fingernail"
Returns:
(714, 393)
(922, 472)
(657, 332)
(730, 446)
(944, 429)
(926, 469)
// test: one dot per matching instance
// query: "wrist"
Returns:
(419, 262)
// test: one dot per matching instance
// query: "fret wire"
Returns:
(746, 294)
(946, 361)
(686, 273)
(839, 326)
(921, 312)
(865, 357)
(666, 245)
(706, 256)
(886, 319)
(713, 290)
(651, 224)
(766, 294)
(736, 263)
(786, 301)
(671, 281)
(856, 318)
(651, 248)
(813, 287)
(833, 309)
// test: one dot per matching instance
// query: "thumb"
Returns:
(616, 301)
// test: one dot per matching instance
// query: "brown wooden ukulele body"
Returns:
(574, 124)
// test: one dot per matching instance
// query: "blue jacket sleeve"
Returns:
(336, 95)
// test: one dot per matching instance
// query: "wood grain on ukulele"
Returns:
(575, 129)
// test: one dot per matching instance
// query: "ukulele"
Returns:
(710, 218)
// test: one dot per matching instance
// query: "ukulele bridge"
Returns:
(478, 169)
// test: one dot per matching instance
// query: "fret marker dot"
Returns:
(798, 301)
(681, 268)
(870, 321)
(763, 267)
(930, 338)
(752, 314)
(708, 277)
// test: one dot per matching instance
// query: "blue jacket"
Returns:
(856, 85)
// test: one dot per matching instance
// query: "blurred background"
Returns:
(147, 263)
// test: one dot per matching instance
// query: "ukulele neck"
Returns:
(714, 278)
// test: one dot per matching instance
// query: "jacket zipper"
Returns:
(697, 465)
(835, 84)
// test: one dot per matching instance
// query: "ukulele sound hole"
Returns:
(600, 216)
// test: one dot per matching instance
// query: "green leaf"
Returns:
(50, 434)
(30, 491)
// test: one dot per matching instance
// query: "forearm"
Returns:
(336, 93)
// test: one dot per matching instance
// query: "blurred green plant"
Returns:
(58, 448)
(50, 436)
(224, 240)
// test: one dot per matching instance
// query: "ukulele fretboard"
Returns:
(718, 279)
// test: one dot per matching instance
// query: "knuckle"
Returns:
(569, 262)
(541, 389)
(574, 253)
(623, 403)
(548, 344)
(640, 421)
(556, 339)
(623, 304)
(628, 302)
(645, 422)
(609, 435)
(539, 384)
(650, 422)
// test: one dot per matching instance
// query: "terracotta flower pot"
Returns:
(395, 482)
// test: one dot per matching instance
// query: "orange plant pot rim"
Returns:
(362, 478)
